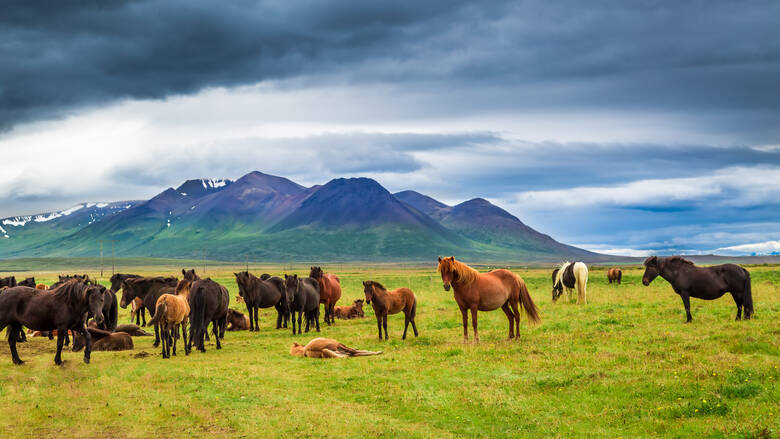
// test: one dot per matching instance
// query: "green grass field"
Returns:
(625, 365)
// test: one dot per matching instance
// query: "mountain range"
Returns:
(265, 217)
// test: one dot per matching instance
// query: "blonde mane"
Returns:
(466, 274)
(559, 275)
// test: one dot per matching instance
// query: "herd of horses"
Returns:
(193, 303)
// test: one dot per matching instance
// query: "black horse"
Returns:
(303, 296)
(80, 277)
(262, 293)
(9, 282)
(62, 309)
(110, 309)
(29, 282)
(149, 289)
(208, 303)
(190, 275)
(116, 284)
(706, 283)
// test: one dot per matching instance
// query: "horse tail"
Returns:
(113, 314)
(748, 305)
(159, 313)
(414, 308)
(197, 314)
(581, 275)
(531, 310)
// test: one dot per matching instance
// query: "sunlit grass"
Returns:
(624, 365)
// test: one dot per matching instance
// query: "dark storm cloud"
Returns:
(699, 56)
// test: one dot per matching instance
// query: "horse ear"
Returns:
(295, 276)
(365, 283)
(439, 258)
(183, 273)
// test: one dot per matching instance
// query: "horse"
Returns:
(258, 293)
(327, 348)
(350, 312)
(172, 312)
(104, 341)
(62, 308)
(41, 287)
(570, 275)
(110, 309)
(489, 291)
(9, 282)
(29, 282)
(137, 309)
(190, 275)
(149, 289)
(237, 321)
(391, 302)
(117, 279)
(303, 296)
(615, 274)
(79, 277)
(706, 283)
(132, 330)
(208, 303)
(330, 291)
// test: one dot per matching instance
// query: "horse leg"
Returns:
(184, 336)
(143, 314)
(156, 335)
(251, 318)
(511, 317)
(406, 325)
(278, 316)
(87, 342)
(474, 322)
(217, 327)
(465, 313)
(739, 306)
(12, 335)
(516, 311)
(317, 319)
(384, 323)
(379, 325)
(687, 303)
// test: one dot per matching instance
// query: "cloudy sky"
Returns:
(628, 127)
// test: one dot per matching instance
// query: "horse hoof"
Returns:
(18, 362)
(86, 360)
(59, 363)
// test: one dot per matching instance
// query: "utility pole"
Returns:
(247, 262)
(204, 260)
(113, 265)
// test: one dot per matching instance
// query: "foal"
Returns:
(171, 312)
(391, 302)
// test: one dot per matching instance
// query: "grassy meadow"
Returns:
(624, 365)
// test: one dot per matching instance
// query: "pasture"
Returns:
(624, 365)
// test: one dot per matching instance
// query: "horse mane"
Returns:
(377, 284)
(561, 269)
(182, 285)
(70, 290)
(466, 274)
(679, 259)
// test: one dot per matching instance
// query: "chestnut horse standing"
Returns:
(615, 275)
(330, 291)
(489, 291)
(173, 311)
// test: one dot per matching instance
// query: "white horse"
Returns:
(570, 275)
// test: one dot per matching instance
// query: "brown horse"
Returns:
(41, 287)
(172, 312)
(237, 321)
(327, 348)
(615, 275)
(477, 291)
(391, 302)
(330, 291)
(354, 311)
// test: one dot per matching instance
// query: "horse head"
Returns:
(448, 272)
(190, 274)
(316, 272)
(368, 290)
(128, 292)
(651, 270)
(291, 284)
(241, 278)
(83, 296)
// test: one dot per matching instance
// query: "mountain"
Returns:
(265, 217)
(483, 222)
(19, 234)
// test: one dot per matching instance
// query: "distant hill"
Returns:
(266, 217)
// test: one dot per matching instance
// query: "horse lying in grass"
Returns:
(354, 311)
(477, 291)
(571, 275)
(706, 283)
(615, 275)
(391, 302)
(237, 321)
(327, 348)
(104, 341)
(62, 308)
(171, 313)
